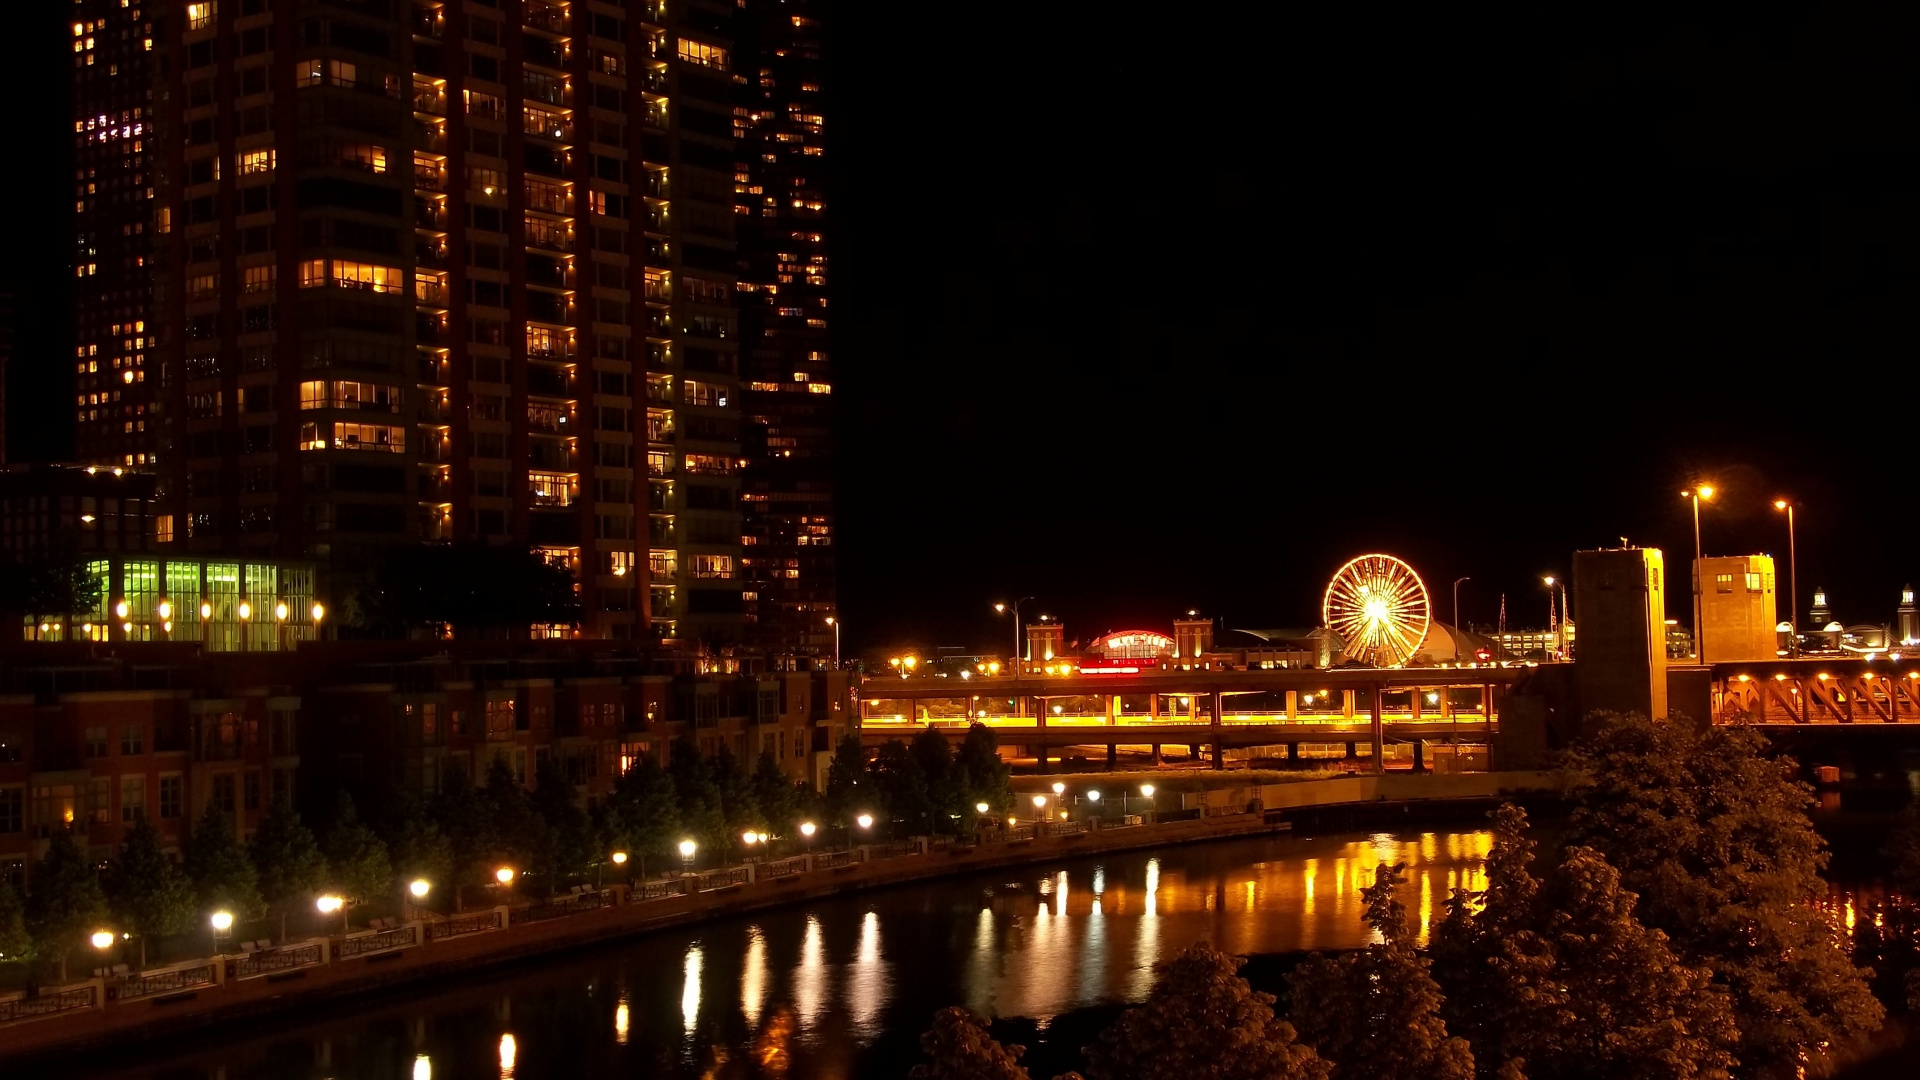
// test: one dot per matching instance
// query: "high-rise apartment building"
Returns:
(781, 203)
(357, 273)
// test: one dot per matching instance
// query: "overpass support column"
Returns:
(1419, 755)
(1293, 704)
(1113, 755)
(1346, 704)
(1219, 751)
(1040, 729)
(1113, 709)
(1153, 706)
(1156, 755)
(1414, 698)
(1379, 734)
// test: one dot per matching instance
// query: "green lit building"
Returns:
(226, 605)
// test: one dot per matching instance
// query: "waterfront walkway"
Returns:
(129, 1006)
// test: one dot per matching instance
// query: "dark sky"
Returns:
(1139, 313)
(1156, 308)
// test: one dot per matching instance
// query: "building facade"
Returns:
(781, 206)
(357, 273)
(1738, 612)
(93, 734)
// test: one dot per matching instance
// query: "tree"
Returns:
(49, 586)
(461, 816)
(287, 859)
(901, 785)
(697, 794)
(1715, 840)
(774, 794)
(66, 903)
(569, 847)
(1563, 976)
(946, 787)
(357, 862)
(643, 815)
(1203, 1020)
(961, 1049)
(514, 831)
(738, 810)
(849, 790)
(15, 942)
(1376, 1012)
(421, 852)
(148, 895)
(985, 776)
(223, 876)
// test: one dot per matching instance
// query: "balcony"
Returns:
(429, 175)
(540, 16)
(546, 419)
(429, 98)
(543, 380)
(552, 54)
(548, 454)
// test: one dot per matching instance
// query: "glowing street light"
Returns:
(1093, 796)
(419, 887)
(1793, 582)
(980, 807)
(865, 821)
(687, 848)
(1698, 494)
(223, 920)
(504, 875)
(835, 623)
(619, 858)
(749, 837)
(102, 939)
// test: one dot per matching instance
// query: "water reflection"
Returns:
(841, 988)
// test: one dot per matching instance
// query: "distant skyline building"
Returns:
(357, 275)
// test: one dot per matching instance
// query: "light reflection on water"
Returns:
(854, 979)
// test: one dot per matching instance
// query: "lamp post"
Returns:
(807, 829)
(687, 848)
(619, 859)
(329, 904)
(1039, 807)
(1146, 792)
(1559, 629)
(222, 923)
(1697, 493)
(1456, 600)
(835, 623)
(1793, 584)
(1016, 631)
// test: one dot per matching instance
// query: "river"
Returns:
(840, 989)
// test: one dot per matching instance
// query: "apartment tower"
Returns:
(358, 273)
(781, 207)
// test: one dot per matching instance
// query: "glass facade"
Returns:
(227, 606)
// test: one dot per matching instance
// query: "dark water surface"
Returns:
(842, 988)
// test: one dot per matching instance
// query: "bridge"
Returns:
(1827, 691)
(1219, 709)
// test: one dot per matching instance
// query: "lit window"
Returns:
(199, 16)
(313, 273)
(257, 278)
(371, 158)
(254, 162)
(694, 52)
(659, 462)
(359, 275)
(377, 437)
(660, 564)
(1723, 583)
(349, 394)
(203, 286)
(710, 464)
(551, 489)
(710, 566)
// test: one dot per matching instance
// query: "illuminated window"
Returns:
(703, 393)
(708, 464)
(257, 278)
(200, 16)
(313, 273)
(1723, 583)
(340, 73)
(1753, 582)
(430, 288)
(550, 197)
(371, 158)
(547, 342)
(550, 489)
(484, 181)
(203, 286)
(659, 462)
(349, 394)
(487, 105)
(661, 563)
(252, 162)
(359, 275)
(377, 437)
(694, 52)
(710, 566)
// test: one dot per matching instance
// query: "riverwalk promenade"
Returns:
(253, 984)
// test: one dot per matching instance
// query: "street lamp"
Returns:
(329, 904)
(835, 623)
(1559, 630)
(807, 829)
(222, 923)
(980, 807)
(504, 875)
(1146, 792)
(1456, 600)
(1698, 493)
(102, 939)
(687, 848)
(1793, 583)
(1002, 608)
(1059, 788)
(419, 888)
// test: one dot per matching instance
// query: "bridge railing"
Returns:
(285, 958)
(175, 979)
(52, 1001)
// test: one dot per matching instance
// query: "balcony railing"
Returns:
(542, 16)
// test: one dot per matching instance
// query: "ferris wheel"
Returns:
(1379, 607)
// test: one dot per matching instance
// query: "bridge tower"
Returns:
(1909, 618)
(1620, 594)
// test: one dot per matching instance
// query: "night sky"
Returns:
(1137, 314)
